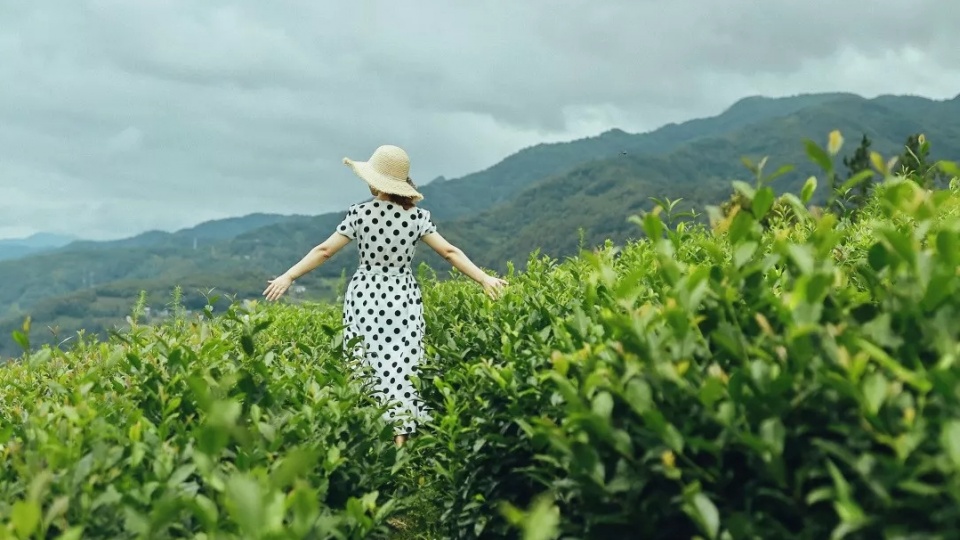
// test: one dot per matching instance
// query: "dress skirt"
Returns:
(383, 305)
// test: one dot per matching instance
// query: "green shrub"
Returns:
(485, 359)
(764, 379)
(790, 377)
(220, 429)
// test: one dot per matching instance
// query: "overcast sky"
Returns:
(118, 116)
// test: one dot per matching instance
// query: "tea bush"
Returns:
(204, 429)
(787, 376)
(764, 378)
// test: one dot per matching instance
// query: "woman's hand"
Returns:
(277, 287)
(492, 285)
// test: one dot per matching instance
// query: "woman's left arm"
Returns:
(313, 259)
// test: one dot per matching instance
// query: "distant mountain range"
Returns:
(14, 248)
(542, 197)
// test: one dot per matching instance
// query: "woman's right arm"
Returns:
(459, 260)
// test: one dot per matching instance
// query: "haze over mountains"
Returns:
(15, 248)
(538, 198)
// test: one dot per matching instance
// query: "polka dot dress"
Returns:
(383, 304)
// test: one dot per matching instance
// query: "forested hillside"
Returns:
(555, 198)
(596, 196)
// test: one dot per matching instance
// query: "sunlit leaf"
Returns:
(877, 161)
(874, 390)
(245, 503)
(834, 142)
(808, 188)
(25, 516)
(950, 441)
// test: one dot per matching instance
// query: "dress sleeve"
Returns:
(426, 224)
(348, 227)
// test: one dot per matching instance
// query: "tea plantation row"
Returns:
(780, 374)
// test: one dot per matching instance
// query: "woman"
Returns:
(383, 305)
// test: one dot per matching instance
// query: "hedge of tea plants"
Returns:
(780, 373)
(205, 429)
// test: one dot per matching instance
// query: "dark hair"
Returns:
(406, 202)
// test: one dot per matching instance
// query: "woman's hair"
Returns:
(406, 202)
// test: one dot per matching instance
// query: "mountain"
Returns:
(203, 234)
(599, 196)
(539, 198)
(482, 190)
(81, 265)
(15, 248)
(43, 240)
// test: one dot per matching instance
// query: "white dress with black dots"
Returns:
(383, 303)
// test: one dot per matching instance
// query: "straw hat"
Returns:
(387, 171)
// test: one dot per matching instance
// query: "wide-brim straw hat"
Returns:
(387, 171)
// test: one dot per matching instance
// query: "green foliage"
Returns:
(752, 381)
(99, 310)
(914, 158)
(857, 165)
(765, 376)
(914, 163)
(248, 426)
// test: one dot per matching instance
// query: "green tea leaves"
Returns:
(762, 202)
(25, 516)
(950, 441)
(818, 155)
(809, 187)
(874, 391)
(245, 504)
(783, 369)
(699, 507)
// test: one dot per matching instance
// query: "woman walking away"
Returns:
(383, 303)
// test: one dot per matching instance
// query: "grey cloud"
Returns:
(117, 117)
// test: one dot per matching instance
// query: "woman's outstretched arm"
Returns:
(459, 260)
(313, 259)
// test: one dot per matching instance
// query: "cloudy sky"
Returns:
(118, 116)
